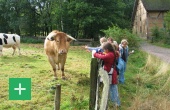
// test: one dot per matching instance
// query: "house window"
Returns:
(140, 29)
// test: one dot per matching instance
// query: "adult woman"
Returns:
(124, 53)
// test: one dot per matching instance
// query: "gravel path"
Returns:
(162, 53)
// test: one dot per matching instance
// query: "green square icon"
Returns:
(19, 88)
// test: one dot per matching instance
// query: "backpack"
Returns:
(115, 71)
(115, 64)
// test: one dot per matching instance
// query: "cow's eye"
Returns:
(57, 41)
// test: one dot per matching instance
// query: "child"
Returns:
(108, 56)
(113, 42)
(102, 41)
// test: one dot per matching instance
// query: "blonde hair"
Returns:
(124, 40)
(102, 40)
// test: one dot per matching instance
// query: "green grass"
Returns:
(148, 80)
(143, 83)
(162, 45)
(33, 64)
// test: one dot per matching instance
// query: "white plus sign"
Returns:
(19, 88)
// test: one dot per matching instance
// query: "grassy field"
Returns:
(148, 85)
(146, 88)
(33, 64)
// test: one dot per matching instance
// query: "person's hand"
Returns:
(131, 52)
(87, 50)
(85, 46)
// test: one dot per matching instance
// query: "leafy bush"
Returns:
(167, 27)
(31, 40)
(167, 21)
(156, 34)
(167, 39)
(118, 34)
(160, 35)
(165, 36)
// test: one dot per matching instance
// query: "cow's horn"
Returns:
(71, 37)
(51, 35)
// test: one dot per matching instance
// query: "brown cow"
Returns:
(56, 46)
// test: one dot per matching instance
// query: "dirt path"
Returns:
(162, 53)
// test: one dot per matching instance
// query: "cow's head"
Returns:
(61, 40)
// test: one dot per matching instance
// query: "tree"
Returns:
(43, 10)
(80, 18)
(3, 22)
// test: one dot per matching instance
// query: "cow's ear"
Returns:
(69, 39)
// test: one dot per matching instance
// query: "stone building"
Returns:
(148, 14)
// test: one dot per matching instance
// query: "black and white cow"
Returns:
(9, 40)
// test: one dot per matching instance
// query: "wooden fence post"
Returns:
(57, 97)
(93, 83)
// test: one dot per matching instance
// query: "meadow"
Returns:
(146, 88)
(33, 64)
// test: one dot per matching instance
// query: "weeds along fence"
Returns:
(36, 38)
(89, 42)
(32, 39)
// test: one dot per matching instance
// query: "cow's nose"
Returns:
(62, 51)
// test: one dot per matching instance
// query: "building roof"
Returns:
(152, 5)
(156, 5)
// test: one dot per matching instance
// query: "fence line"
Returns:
(93, 83)
(57, 97)
(96, 102)
(83, 42)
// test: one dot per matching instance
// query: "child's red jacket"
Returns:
(109, 60)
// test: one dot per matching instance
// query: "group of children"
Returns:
(111, 53)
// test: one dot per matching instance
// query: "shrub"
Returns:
(160, 35)
(156, 34)
(118, 34)
(31, 40)
(167, 21)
